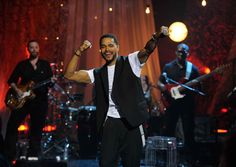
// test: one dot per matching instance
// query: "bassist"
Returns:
(181, 105)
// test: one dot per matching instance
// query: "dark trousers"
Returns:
(37, 110)
(120, 140)
(186, 113)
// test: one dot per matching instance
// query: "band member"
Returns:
(39, 71)
(146, 90)
(120, 102)
(179, 70)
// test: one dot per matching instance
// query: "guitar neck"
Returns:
(203, 77)
(197, 80)
(40, 84)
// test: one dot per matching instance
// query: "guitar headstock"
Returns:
(221, 68)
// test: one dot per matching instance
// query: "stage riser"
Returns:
(40, 164)
(54, 163)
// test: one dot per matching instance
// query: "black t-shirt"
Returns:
(24, 72)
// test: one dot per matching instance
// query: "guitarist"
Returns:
(179, 70)
(36, 70)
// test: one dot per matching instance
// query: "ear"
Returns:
(118, 47)
(176, 52)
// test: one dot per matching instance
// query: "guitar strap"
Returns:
(188, 70)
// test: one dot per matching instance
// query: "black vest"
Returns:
(127, 94)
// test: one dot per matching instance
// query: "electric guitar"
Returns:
(176, 91)
(14, 101)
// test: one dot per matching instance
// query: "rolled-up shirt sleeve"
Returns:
(135, 63)
(91, 75)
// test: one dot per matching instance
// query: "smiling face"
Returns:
(109, 49)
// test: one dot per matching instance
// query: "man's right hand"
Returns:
(17, 90)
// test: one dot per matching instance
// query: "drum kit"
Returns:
(69, 123)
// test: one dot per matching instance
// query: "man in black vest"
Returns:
(120, 102)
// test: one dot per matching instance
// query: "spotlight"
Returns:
(23, 128)
(224, 110)
(206, 70)
(178, 31)
(204, 3)
(147, 10)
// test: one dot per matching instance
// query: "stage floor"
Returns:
(89, 163)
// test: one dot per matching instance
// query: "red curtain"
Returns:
(127, 20)
(61, 26)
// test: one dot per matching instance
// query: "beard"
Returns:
(108, 61)
(34, 55)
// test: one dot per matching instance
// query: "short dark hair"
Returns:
(108, 36)
(183, 46)
(30, 41)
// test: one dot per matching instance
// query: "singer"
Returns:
(181, 71)
(120, 102)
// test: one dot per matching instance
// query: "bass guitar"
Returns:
(14, 101)
(175, 91)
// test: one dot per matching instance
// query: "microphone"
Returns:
(164, 74)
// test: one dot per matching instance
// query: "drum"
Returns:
(87, 133)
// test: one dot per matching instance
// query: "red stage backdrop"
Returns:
(61, 26)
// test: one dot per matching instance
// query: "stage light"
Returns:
(204, 3)
(178, 31)
(224, 110)
(206, 70)
(222, 131)
(147, 10)
(13, 162)
(110, 9)
(49, 128)
(22, 128)
(57, 38)
(52, 64)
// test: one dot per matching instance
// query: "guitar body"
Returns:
(166, 99)
(13, 101)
